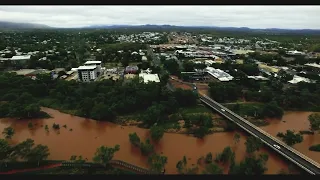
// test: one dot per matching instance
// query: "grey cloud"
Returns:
(298, 17)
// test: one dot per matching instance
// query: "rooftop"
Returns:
(93, 62)
(24, 57)
(219, 74)
(149, 77)
(313, 65)
(87, 67)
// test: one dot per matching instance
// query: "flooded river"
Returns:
(87, 135)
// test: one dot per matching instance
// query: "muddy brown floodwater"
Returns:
(87, 135)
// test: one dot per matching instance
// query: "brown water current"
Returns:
(87, 135)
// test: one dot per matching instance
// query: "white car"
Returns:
(223, 110)
(276, 146)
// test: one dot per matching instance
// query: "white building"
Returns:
(96, 63)
(149, 77)
(296, 79)
(295, 53)
(87, 73)
(219, 74)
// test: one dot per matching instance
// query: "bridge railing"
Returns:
(265, 133)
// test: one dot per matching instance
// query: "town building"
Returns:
(313, 67)
(87, 73)
(149, 77)
(219, 74)
(131, 69)
(296, 79)
(96, 63)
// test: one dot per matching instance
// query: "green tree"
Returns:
(213, 168)
(201, 132)
(157, 162)
(24, 148)
(146, 148)
(251, 165)
(181, 165)
(272, 110)
(236, 138)
(208, 158)
(38, 153)
(253, 144)
(5, 150)
(290, 138)
(314, 120)
(8, 132)
(156, 133)
(104, 154)
(226, 155)
(30, 125)
(134, 139)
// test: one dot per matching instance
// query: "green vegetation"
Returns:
(8, 132)
(23, 151)
(104, 154)
(315, 148)
(226, 156)
(213, 169)
(236, 138)
(314, 120)
(30, 125)
(56, 126)
(253, 144)
(156, 133)
(134, 139)
(251, 165)
(290, 138)
(208, 158)
(146, 148)
(157, 162)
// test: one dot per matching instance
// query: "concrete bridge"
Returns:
(286, 151)
(283, 149)
(114, 163)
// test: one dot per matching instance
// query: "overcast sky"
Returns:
(291, 17)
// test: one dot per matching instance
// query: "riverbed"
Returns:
(87, 135)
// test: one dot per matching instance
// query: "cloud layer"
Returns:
(290, 17)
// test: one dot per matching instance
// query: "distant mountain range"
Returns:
(14, 26)
(18, 26)
(231, 29)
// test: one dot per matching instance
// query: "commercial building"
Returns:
(17, 59)
(313, 67)
(296, 79)
(87, 73)
(219, 74)
(149, 77)
(97, 63)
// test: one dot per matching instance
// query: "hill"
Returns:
(14, 26)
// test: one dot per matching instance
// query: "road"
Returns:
(299, 159)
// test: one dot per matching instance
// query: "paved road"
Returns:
(305, 163)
